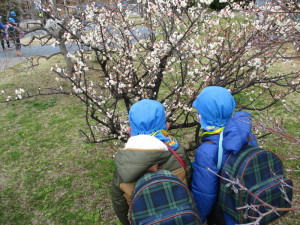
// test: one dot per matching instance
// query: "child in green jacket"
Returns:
(147, 149)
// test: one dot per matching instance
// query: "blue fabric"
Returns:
(2, 26)
(147, 116)
(205, 184)
(229, 220)
(13, 13)
(166, 138)
(215, 106)
(237, 131)
(16, 19)
(11, 20)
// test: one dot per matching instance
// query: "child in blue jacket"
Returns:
(3, 35)
(215, 106)
(13, 15)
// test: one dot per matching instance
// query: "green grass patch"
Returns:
(49, 174)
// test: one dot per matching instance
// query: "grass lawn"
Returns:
(50, 175)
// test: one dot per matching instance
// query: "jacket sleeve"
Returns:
(119, 202)
(2, 26)
(253, 140)
(204, 182)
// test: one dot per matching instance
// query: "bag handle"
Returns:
(182, 163)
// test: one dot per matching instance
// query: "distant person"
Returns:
(3, 35)
(124, 5)
(14, 33)
(13, 15)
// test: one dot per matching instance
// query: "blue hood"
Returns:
(237, 132)
(215, 105)
(147, 116)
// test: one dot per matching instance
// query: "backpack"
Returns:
(161, 198)
(262, 173)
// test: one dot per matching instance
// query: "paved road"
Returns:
(8, 58)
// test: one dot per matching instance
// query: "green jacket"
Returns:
(133, 161)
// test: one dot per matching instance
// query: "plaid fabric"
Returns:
(161, 198)
(260, 172)
(271, 194)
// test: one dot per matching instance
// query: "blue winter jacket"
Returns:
(2, 26)
(205, 184)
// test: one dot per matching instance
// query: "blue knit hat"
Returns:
(215, 106)
(146, 116)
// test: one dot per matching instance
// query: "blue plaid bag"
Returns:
(161, 198)
(261, 172)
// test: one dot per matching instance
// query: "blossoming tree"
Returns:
(170, 54)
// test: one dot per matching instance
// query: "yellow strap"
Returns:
(155, 132)
(217, 131)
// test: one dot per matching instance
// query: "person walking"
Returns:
(14, 33)
(3, 35)
(14, 16)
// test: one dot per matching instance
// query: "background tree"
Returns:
(171, 55)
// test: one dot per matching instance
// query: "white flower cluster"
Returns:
(226, 12)
(153, 60)
(19, 93)
(175, 37)
(77, 90)
(207, 2)
(255, 62)
(79, 65)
